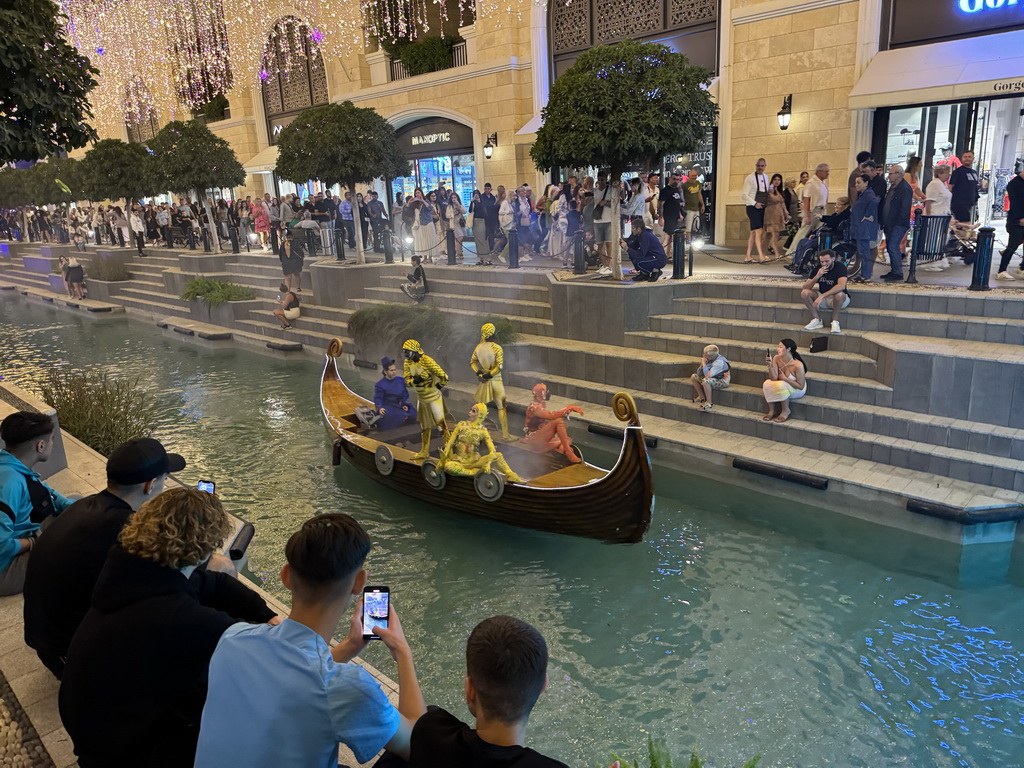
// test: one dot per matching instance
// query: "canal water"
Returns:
(739, 625)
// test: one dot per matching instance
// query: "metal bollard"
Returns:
(449, 237)
(579, 256)
(679, 254)
(513, 249)
(275, 243)
(233, 236)
(191, 238)
(207, 246)
(310, 244)
(387, 242)
(983, 262)
(917, 235)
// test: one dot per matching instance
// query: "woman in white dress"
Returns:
(937, 203)
(786, 381)
(424, 231)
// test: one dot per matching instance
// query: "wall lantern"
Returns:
(492, 142)
(786, 113)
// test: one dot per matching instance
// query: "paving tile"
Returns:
(44, 715)
(35, 685)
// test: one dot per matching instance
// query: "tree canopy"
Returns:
(339, 144)
(42, 183)
(44, 106)
(189, 156)
(625, 104)
(113, 169)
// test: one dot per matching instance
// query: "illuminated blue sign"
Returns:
(973, 6)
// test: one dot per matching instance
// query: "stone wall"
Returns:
(811, 55)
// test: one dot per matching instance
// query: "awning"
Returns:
(952, 71)
(532, 126)
(262, 162)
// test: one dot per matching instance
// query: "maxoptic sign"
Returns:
(975, 6)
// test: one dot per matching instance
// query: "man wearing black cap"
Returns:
(67, 562)
(26, 502)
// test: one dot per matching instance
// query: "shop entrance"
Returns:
(439, 150)
(941, 133)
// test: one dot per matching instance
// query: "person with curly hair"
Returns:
(135, 680)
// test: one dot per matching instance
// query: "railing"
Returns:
(460, 58)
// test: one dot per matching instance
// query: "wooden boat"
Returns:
(557, 496)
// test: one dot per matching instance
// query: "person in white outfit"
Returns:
(937, 203)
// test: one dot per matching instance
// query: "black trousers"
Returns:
(1016, 235)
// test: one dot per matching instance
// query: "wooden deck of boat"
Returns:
(573, 475)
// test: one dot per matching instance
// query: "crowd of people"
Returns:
(166, 659)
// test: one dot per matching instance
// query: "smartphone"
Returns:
(206, 485)
(376, 607)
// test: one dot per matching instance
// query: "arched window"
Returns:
(577, 25)
(293, 73)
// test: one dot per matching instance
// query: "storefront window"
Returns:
(458, 172)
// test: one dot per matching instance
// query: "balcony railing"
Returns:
(460, 58)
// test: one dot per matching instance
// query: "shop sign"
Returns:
(277, 124)
(1008, 86)
(431, 138)
(434, 136)
(924, 21)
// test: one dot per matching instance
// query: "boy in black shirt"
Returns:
(832, 291)
(506, 670)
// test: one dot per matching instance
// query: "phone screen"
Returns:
(206, 485)
(376, 607)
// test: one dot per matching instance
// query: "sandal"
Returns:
(767, 418)
(748, 261)
(698, 400)
(286, 327)
(781, 419)
(707, 406)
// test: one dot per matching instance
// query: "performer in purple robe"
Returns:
(391, 396)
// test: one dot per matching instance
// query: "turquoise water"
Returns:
(740, 625)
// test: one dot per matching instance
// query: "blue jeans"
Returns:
(893, 237)
(867, 264)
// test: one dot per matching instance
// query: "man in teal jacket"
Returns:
(25, 501)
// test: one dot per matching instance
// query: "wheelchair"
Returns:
(806, 262)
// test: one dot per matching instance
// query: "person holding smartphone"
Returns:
(302, 697)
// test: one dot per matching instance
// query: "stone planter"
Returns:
(226, 314)
(104, 290)
(57, 284)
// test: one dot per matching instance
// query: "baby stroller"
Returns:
(805, 260)
(963, 242)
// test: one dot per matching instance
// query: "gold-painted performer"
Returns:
(487, 361)
(461, 455)
(545, 430)
(426, 378)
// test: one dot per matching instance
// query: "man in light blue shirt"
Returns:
(284, 697)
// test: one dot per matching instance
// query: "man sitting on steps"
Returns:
(832, 292)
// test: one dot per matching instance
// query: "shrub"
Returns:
(100, 411)
(451, 337)
(426, 54)
(214, 109)
(110, 270)
(213, 293)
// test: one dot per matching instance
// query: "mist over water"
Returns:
(740, 625)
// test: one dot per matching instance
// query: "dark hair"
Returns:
(864, 177)
(24, 426)
(507, 660)
(870, 164)
(791, 346)
(863, 157)
(913, 164)
(327, 550)
(779, 177)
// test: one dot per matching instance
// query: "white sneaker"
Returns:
(604, 271)
(814, 325)
(932, 268)
(525, 258)
(502, 259)
(836, 328)
(1019, 271)
(1005, 276)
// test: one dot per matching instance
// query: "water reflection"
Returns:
(740, 625)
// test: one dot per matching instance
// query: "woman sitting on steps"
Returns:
(786, 380)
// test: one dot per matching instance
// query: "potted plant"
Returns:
(218, 301)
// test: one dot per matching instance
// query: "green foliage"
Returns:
(339, 144)
(109, 270)
(426, 54)
(100, 411)
(114, 169)
(38, 185)
(383, 329)
(625, 104)
(214, 109)
(46, 83)
(213, 293)
(658, 757)
(189, 157)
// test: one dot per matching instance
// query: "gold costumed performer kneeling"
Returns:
(426, 378)
(487, 361)
(545, 430)
(461, 455)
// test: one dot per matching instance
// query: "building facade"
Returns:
(897, 77)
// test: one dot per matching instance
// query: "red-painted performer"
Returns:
(545, 430)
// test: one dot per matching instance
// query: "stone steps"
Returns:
(969, 466)
(312, 340)
(470, 274)
(540, 310)
(719, 331)
(523, 325)
(477, 288)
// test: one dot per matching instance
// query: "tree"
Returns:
(622, 106)
(44, 106)
(189, 157)
(340, 144)
(113, 169)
